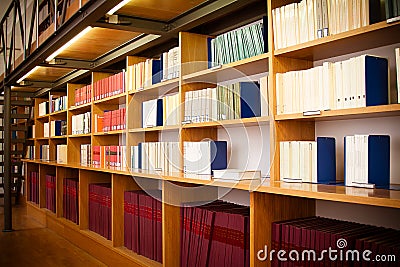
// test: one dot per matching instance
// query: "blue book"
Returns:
(250, 101)
(376, 81)
(57, 128)
(139, 159)
(160, 112)
(156, 71)
(326, 160)
(219, 155)
(209, 48)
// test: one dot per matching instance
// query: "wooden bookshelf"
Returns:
(162, 88)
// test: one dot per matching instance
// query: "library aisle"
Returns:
(40, 246)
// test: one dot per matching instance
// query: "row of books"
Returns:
(86, 154)
(170, 63)
(216, 234)
(83, 95)
(43, 108)
(311, 237)
(357, 82)
(143, 74)
(308, 20)
(241, 43)
(308, 161)
(143, 224)
(156, 156)
(55, 128)
(159, 112)
(234, 101)
(61, 155)
(71, 199)
(392, 10)
(110, 121)
(366, 161)
(30, 152)
(51, 192)
(81, 123)
(110, 157)
(100, 209)
(44, 152)
(171, 114)
(57, 103)
(33, 183)
(110, 86)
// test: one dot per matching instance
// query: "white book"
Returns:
(275, 28)
(314, 173)
(264, 95)
(349, 165)
(236, 175)
(188, 106)
(362, 86)
(149, 112)
(303, 22)
(311, 20)
(339, 85)
(46, 129)
(61, 153)
(304, 162)
(135, 157)
(364, 13)
(397, 55)
(295, 160)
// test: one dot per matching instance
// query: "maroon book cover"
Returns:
(127, 220)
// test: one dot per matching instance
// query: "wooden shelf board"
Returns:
(239, 69)
(42, 138)
(115, 99)
(138, 258)
(154, 129)
(83, 107)
(159, 89)
(57, 113)
(226, 123)
(110, 133)
(79, 135)
(59, 137)
(44, 117)
(346, 114)
(368, 37)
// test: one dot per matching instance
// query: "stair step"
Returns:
(18, 102)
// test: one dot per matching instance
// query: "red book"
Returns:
(136, 240)
(127, 220)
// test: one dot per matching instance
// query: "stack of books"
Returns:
(216, 234)
(83, 95)
(51, 193)
(110, 86)
(143, 74)
(71, 199)
(57, 103)
(86, 154)
(81, 123)
(142, 224)
(100, 209)
(109, 157)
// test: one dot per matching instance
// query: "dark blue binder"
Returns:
(379, 160)
(57, 130)
(250, 101)
(376, 81)
(209, 48)
(219, 155)
(156, 72)
(326, 160)
(139, 159)
(159, 112)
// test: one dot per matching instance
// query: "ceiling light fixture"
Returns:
(117, 7)
(29, 73)
(69, 43)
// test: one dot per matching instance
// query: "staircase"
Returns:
(21, 122)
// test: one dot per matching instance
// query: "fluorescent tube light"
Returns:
(69, 43)
(117, 7)
(29, 73)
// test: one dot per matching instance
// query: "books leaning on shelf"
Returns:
(156, 156)
(110, 86)
(171, 110)
(357, 82)
(308, 161)
(152, 113)
(45, 152)
(109, 157)
(238, 44)
(51, 193)
(236, 175)
(220, 229)
(30, 152)
(110, 121)
(234, 101)
(100, 209)
(204, 157)
(143, 223)
(392, 8)
(83, 95)
(43, 108)
(143, 74)
(33, 184)
(86, 154)
(58, 128)
(57, 103)
(397, 55)
(170, 63)
(62, 153)
(81, 123)
(308, 20)
(71, 199)
(367, 161)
